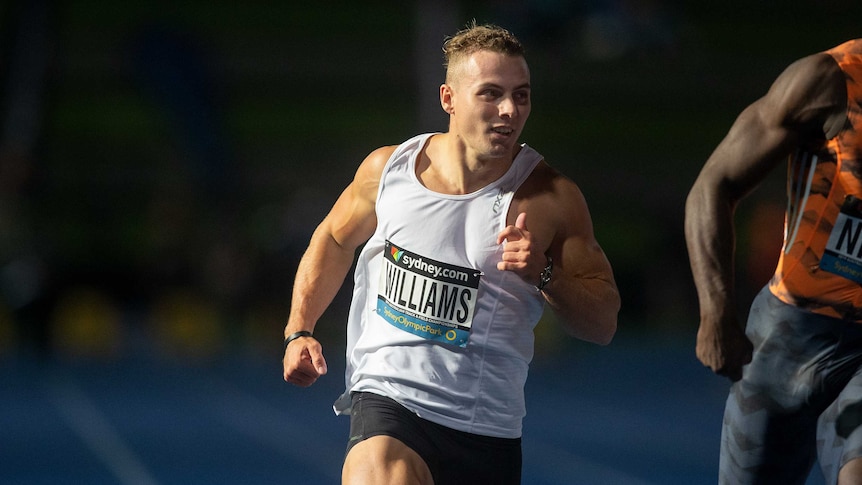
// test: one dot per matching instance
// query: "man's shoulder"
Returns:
(371, 169)
(554, 202)
(807, 93)
(549, 189)
(852, 47)
(376, 160)
(545, 175)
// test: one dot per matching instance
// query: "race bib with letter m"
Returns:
(428, 298)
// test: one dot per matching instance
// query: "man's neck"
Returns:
(446, 166)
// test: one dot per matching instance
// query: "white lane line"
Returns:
(93, 428)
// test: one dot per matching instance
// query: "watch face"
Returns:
(545, 277)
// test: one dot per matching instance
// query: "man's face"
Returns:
(488, 98)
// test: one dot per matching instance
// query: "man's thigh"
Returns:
(450, 456)
(384, 460)
(770, 421)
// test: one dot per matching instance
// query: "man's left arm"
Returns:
(582, 290)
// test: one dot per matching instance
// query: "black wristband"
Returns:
(290, 338)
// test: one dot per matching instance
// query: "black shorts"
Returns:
(454, 457)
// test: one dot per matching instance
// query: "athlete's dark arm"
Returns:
(806, 102)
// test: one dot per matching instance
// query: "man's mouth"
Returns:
(503, 130)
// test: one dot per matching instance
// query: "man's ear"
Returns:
(447, 98)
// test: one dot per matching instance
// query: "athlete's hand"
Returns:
(303, 362)
(519, 252)
(724, 348)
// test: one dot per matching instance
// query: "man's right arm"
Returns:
(325, 265)
(807, 101)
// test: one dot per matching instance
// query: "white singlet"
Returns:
(433, 323)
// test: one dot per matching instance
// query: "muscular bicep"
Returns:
(574, 245)
(352, 219)
(756, 142)
(806, 102)
(560, 221)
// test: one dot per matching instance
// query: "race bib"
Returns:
(843, 254)
(428, 298)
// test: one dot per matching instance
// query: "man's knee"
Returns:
(384, 460)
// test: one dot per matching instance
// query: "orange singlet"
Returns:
(820, 267)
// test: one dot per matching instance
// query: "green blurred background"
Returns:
(162, 164)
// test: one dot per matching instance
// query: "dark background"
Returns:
(163, 164)
(169, 160)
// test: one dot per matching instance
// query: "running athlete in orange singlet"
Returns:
(797, 364)
(820, 268)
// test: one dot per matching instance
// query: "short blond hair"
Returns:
(475, 38)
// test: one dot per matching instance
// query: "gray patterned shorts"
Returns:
(799, 399)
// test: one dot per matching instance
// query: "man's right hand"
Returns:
(724, 348)
(303, 362)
